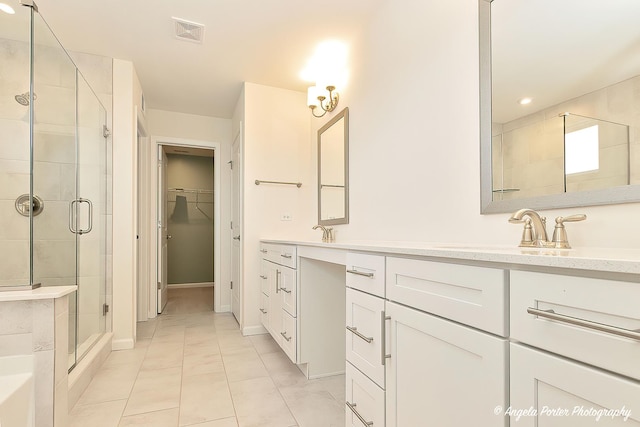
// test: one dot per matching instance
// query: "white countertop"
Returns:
(597, 259)
(43, 292)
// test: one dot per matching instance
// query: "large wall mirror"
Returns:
(559, 103)
(333, 170)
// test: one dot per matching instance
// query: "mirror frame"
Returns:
(614, 195)
(344, 114)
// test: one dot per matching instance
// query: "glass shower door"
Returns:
(90, 207)
(53, 75)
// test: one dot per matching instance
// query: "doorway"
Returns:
(182, 208)
(189, 193)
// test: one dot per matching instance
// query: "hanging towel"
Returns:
(180, 213)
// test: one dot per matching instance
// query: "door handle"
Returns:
(73, 220)
(237, 237)
(169, 236)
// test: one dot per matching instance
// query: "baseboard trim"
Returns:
(123, 344)
(191, 285)
(254, 330)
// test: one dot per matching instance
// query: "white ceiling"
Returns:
(261, 41)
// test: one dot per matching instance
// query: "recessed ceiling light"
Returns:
(524, 101)
(7, 9)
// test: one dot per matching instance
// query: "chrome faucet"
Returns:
(535, 229)
(327, 233)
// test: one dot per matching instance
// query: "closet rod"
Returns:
(191, 190)
(297, 184)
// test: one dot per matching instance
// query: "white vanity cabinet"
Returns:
(279, 290)
(575, 349)
(439, 371)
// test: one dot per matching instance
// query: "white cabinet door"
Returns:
(288, 290)
(275, 304)
(364, 334)
(441, 373)
(565, 393)
(364, 400)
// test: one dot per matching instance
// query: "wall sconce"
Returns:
(317, 97)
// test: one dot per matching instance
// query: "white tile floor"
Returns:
(192, 367)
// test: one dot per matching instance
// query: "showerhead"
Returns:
(23, 98)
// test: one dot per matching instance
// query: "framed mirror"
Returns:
(559, 103)
(333, 170)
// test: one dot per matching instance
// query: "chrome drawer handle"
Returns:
(263, 277)
(264, 251)
(354, 330)
(285, 336)
(383, 346)
(285, 256)
(360, 273)
(352, 406)
(263, 311)
(601, 327)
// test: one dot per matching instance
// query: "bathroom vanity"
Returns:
(451, 335)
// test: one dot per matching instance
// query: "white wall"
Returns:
(276, 148)
(203, 128)
(126, 100)
(414, 136)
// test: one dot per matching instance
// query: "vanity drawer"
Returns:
(264, 310)
(366, 273)
(364, 399)
(364, 334)
(474, 296)
(280, 254)
(581, 307)
(288, 337)
(264, 277)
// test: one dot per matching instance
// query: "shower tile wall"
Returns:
(14, 163)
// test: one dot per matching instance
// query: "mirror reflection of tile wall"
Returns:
(528, 153)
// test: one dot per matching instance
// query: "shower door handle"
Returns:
(90, 222)
(72, 216)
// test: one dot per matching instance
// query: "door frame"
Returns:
(237, 140)
(156, 142)
(142, 220)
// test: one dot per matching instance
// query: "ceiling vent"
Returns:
(189, 31)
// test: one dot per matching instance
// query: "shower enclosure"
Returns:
(54, 150)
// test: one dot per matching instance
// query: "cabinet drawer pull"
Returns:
(352, 406)
(285, 290)
(285, 336)
(263, 311)
(263, 277)
(354, 330)
(601, 327)
(264, 251)
(360, 273)
(285, 256)
(383, 345)
(277, 281)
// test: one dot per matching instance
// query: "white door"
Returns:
(441, 373)
(163, 236)
(236, 226)
(568, 394)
